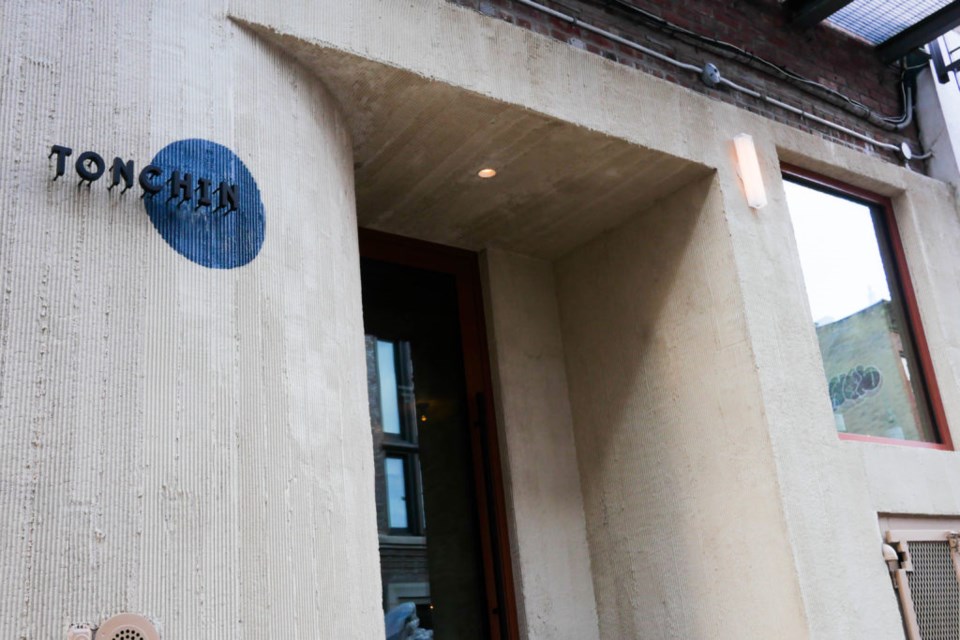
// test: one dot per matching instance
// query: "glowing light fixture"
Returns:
(487, 172)
(748, 168)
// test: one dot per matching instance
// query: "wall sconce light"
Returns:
(748, 168)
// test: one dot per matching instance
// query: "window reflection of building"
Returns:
(400, 516)
(427, 513)
(868, 375)
(855, 285)
(400, 441)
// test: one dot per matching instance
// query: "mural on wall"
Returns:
(201, 220)
(851, 388)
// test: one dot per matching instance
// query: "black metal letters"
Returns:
(150, 188)
(204, 188)
(182, 187)
(90, 167)
(122, 170)
(61, 153)
(228, 197)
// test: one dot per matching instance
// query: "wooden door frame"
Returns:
(501, 604)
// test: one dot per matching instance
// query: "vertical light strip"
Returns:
(748, 167)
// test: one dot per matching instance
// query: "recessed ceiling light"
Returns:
(487, 172)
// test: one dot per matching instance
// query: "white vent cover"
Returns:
(127, 626)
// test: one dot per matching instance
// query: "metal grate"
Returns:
(879, 20)
(127, 626)
(935, 591)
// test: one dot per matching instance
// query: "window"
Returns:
(397, 512)
(400, 441)
(389, 396)
(879, 376)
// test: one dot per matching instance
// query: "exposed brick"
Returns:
(822, 53)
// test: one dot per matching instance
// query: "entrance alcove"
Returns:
(611, 302)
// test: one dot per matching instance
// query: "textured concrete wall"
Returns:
(554, 580)
(832, 526)
(911, 481)
(188, 443)
(159, 415)
(826, 494)
(680, 488)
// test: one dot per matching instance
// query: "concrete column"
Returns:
(551, 561)
(181, 439)
(684, 517)
(829, 498)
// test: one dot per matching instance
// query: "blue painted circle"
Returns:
(214, 239)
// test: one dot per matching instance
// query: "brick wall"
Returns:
(821, 53)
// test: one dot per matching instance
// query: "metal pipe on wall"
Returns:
(903, 150)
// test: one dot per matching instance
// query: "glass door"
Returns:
(443, 557)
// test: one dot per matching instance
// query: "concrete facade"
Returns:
(677, 472)
(750, 32)
(159, 461)
(194, 445)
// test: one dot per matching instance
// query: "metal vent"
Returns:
(923, 555)
(935, 591)
(127, 626)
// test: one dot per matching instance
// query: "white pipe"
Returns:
(809, 116)
(908, 118)
(611, 36)
(841, 128)
(733, 85)
(741, 88)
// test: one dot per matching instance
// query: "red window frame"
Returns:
(909, 298)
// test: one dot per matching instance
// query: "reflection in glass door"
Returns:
(434, 566)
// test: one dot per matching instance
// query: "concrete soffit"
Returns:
(418, 145)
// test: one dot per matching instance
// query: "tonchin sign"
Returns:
(199, 195)
(90, 166)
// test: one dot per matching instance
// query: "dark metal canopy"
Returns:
(895, 27)
(806, 13)
(919, 34)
